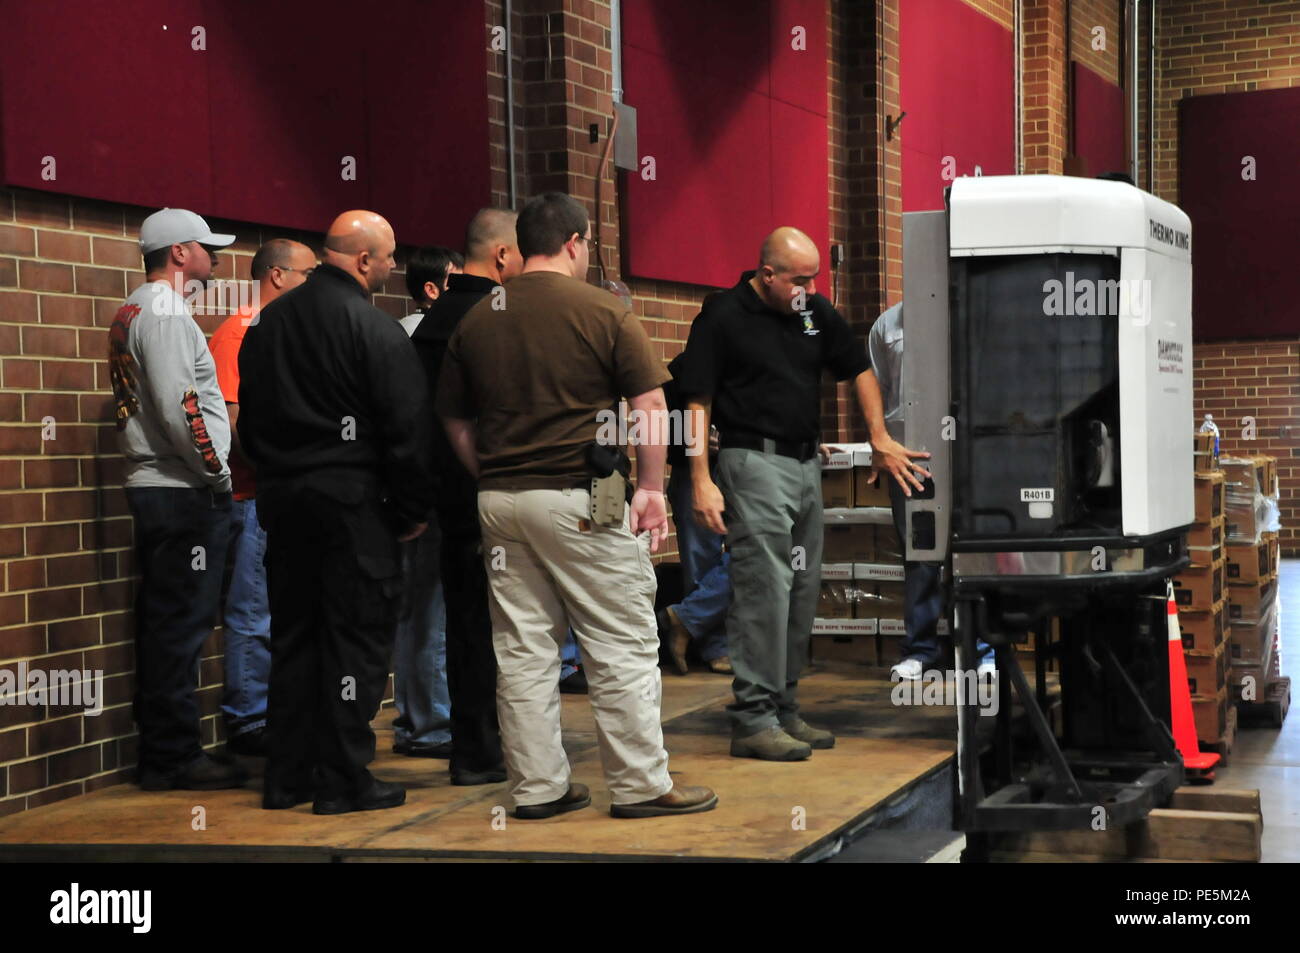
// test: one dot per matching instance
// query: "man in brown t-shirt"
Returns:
(529, 374)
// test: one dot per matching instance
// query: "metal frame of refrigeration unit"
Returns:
(1058, 425)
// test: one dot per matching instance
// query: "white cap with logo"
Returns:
(176, 226)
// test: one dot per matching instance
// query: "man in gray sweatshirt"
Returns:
(175, 435)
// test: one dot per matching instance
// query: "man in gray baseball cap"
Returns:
(177, 226)
(175, 436)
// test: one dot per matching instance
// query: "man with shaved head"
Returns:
(335, 417)
(491, 259)
(753, 366)
(279, 266)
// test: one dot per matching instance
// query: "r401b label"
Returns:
(1037, 494)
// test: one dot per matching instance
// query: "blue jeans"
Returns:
(420, 651)
(922, 596)
(706, 576)
(175, 604)
(248, 624)
(570, 657)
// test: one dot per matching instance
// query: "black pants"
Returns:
(181, 536)
(471, 662)
(334, 582)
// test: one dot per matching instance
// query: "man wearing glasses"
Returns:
(279, 266)
(175, 435)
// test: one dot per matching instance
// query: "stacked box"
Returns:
(1205, 542)
(1245, 479)
(1210, 712)
(837, 480)
(1199, 588)
(1203, 633)
(844, 640)
(1204, 457)
(849, 543)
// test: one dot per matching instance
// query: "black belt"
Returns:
(784, 448)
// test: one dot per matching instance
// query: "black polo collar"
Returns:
(338, 274)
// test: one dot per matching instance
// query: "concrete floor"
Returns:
(1268, 759)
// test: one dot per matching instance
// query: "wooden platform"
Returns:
(767, 812)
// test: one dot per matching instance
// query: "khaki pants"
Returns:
(550, 568)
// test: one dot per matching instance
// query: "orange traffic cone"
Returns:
(1180, 702)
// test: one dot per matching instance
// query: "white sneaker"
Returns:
(909, 670)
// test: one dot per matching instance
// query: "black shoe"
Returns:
(575, 684)
(471, 778)
(204, 773)
(377, 797)
(413, 749)
(574, 799)
(251, 744)
(281, 799)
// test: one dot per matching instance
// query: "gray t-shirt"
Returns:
(885, 347)
(171, 417)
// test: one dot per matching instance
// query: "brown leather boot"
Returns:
(574, 799)
(677, 641)
(680, 800)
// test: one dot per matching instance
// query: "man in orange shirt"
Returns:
(279, 266)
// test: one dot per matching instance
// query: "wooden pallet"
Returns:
(1270, 711)
(1199, 824)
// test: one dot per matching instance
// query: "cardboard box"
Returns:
(1204, 632)
(1274, 546)
(1249, 642)
(859, 649)
(1245, 474)
(1206, 535)
(889, 548)
(837, 480)
(1249, 603)
(1210, 712)
(869, 494)
(1266, 472)
(1247, 565)
(891, 648)
(878, 572)
(1206, 674)
(889, 600)
(1199, 588)
(835, 601)
(1204, 459)
(849, 543)
(1209, 496)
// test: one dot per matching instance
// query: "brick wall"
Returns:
(1206, 48)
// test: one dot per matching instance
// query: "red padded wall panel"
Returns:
(1098, 121)
(255, 126)
(428, 120)
(791, 79)
(703, 216)
(957, 86)
(1243, 229)
(735, 119)
(799, 158)
(118, 101)
(709, 40)
(284, 125)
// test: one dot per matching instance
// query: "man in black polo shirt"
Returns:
(753, 365)
(336, 419)
(491, 258)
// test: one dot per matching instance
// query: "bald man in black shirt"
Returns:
(753, 364)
